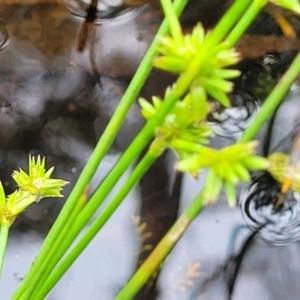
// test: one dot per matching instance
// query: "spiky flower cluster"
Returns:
(185, 123)
(38, 181)
(177, 55)
(226, 167)
(32, 188)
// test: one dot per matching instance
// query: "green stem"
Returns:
(45, 269)
(173, 21)
(273, 101)
(134, 177)
(245, 22)
(161, 250)
(100, 150)
(4, 229)
(229, 19)
(168, 242)
(188, 146)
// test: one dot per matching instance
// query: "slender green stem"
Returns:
(4, 229)
(245, 22)
(187, 146)
(161, 250)
(142, 139)
(273, 101)
(46, 267)
(229, 19)
(133, 178)
(102, 148)
(173, 21)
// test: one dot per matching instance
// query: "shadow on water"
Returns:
(56, 101)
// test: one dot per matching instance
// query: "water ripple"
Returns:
(281, 226)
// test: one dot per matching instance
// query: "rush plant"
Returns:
(204, 63)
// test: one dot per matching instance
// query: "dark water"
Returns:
(56, 101)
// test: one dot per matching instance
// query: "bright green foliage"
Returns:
(32, 188)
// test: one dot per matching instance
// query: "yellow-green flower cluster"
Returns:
(226, 167)
(32, 188)
(177, 55)
(38, 181)
(186, 123)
